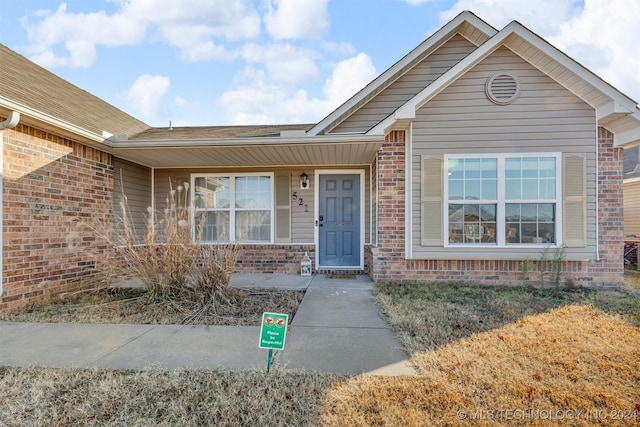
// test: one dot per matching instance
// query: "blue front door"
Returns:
(339, 221)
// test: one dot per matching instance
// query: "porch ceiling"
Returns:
(247, 153)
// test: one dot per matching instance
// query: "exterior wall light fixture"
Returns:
(304, 180)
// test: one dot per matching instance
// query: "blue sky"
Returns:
(215, 62)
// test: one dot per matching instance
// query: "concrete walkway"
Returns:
(337, 329)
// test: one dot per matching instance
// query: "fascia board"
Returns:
(627, 138)
(53, 121)
(610, 109)
(631, 180)
(436, 38)
(252, 141)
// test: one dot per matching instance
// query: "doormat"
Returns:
(340, 276)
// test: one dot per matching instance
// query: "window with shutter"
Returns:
(574, 200)
(491, 200)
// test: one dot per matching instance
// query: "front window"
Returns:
(233, 207)
(502, 200)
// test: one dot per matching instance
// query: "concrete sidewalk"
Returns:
(337, 329)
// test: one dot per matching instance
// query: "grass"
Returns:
(486, 356)
(134, 305)
(92, 397)
(632, 277)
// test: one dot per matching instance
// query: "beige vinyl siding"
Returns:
(631, 196)
(302, 217)
(462, 120)
(403, 89)
(134, 181)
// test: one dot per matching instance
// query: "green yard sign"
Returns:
(273, 330)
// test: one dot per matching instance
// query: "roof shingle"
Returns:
(28, 84)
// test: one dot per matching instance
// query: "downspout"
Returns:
(10, 123)
(408, 184)
(153, 198)
(597, 193)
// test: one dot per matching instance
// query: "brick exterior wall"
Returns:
(283, 259)
(52, 187)
(610, 267)
(387, 258)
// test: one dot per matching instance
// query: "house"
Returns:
(631, 196)
(478, 150)
(631, 191)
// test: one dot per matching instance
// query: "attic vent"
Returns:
(502, 88)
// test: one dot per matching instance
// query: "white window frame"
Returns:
(501, 201)
(232, 209)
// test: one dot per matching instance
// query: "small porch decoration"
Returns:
(305, 265)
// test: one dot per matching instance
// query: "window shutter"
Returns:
(431, 201)
(283, 208)
(574, 197)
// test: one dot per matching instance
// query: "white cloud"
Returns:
(79, 32)
(83, 53)
(260, 100)
(541, 16)
(180, 101)
(604, 38)
(348, 77)
(342, 48)
(602, 35)
(283, 62)
(296, 19)
(198, 19)
(146, 93)
(193, 29)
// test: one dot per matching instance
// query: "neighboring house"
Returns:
(478, 150)
(631, 191)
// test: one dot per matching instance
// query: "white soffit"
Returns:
(626, 130)
(251, 152)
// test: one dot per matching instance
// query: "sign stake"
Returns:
(269, 360)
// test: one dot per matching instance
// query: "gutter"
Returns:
(246, 141)
(12, 121)
(17, 108)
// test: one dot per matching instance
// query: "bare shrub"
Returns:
(169, 258)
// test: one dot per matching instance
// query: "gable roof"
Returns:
(43, 98)
(466, 23)
(614, 110)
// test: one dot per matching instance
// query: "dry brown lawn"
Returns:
(573, 358)
(134, 305)
(484, 357)
(632, 278)
(92, 397)
(503, 357)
